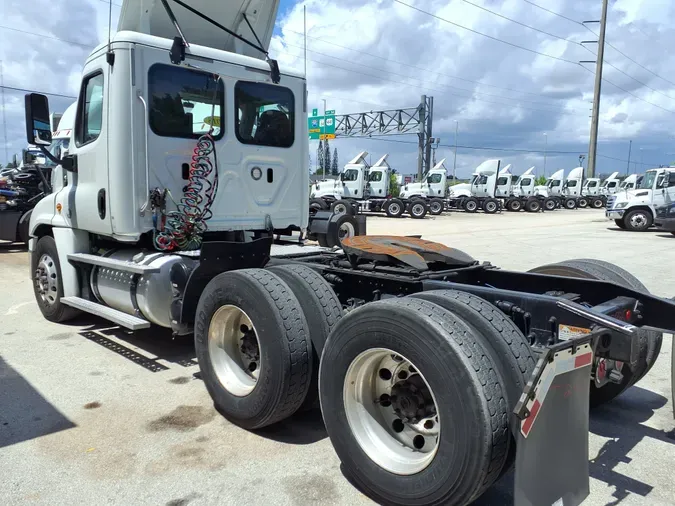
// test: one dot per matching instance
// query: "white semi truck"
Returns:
(570, 191)
(365, 188)
(635, 210)
(405, 330)
(631, 182)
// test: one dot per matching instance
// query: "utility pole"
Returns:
(304, 26)
(454, 162)
(592, 149)
(630, 145)
(545, 151)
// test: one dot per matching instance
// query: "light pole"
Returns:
(454, 163)
(545, 151)
(641, 164)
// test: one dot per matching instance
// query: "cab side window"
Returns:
(435, 178)
(264, 114)
(525, 182)
(572, 183)
(90, 113)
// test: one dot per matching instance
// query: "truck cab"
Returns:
(350, 184)
(610, 185)
(630, 182)
(524, 185)
(553, 186)
(433, 184)
(573, 183)
(635, 210)
(591, 187)
(378, 179)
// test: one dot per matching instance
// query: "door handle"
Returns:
(101, 203)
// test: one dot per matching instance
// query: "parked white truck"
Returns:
(433, 188)
(631, 182)
(435, 372)
(569, 191)
(635, 210)
(362, 188)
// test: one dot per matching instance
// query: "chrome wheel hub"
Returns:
(234, 350)
(47, 280)
(638, 220)
(391, 411)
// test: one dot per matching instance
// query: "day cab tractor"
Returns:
(362, 188)
(635, 210)
(570, 192)
(433, 188)
(521, 195)
(435, 373)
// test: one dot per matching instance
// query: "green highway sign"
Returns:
(321, 127)
(315, 112)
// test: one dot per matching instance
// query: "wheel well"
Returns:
(640, 208)
(43, 230)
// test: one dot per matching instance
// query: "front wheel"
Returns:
(638, 220)
(514, 205)
(48, 282)
(620, 224)
(436, 207)
(570, 204)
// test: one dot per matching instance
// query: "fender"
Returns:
(70, 241)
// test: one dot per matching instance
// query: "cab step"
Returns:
(111, 263)
(123, 319)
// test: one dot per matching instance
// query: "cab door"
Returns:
(85, 196)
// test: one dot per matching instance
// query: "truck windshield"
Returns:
(552, 183)
(374, 176)
(647, 182)
(591, 184)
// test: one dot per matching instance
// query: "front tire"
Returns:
(253, 346)
(48, 282)
(381, 361)
(638, 220)
(620, 224)
(570, 204)
(436, 207)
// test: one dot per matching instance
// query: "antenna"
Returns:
(110, 56)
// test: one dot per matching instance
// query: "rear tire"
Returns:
(583, 203)
(48, 282)
(274, 314)
(322, 310)
(418, 209)
(550, 204)
(514, 205)
(394, 208)
(341, 227)
(533, 205)
(605, 271)
(318, 205)
(341, 207)
(470, 205)
(597, 203)
(452, 365)
(490, 206)
(436, 207)
(570, 204)
(23, 233)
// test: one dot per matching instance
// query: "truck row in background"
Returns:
(363, 188)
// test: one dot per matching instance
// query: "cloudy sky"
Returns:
(513, 85)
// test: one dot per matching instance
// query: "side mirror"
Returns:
(38, 130)
(28, 157)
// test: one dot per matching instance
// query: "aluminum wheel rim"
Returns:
(346, 230)
(515, 205)
(340, 209)
(396, 443)
(233, 342)
(569, 204)
(47, 280)
(550, 205)
(418, 209)
(394, 208)
(638, 220)
(470, 206)
(435, 207)
(490, 207)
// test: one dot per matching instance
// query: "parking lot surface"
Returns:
(90, 414)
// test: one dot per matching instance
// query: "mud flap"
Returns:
(552, 440)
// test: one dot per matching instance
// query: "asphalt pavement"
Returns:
(91, 414)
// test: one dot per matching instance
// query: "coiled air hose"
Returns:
(184, 227)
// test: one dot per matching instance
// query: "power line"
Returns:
(428, 88)
(40, 92)
(630, 93)
(425, 82)
(484, 34)
(519, 23)
(47, 36)
(552, 12)
(419, 68)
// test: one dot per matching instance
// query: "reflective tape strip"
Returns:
(563, 362)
